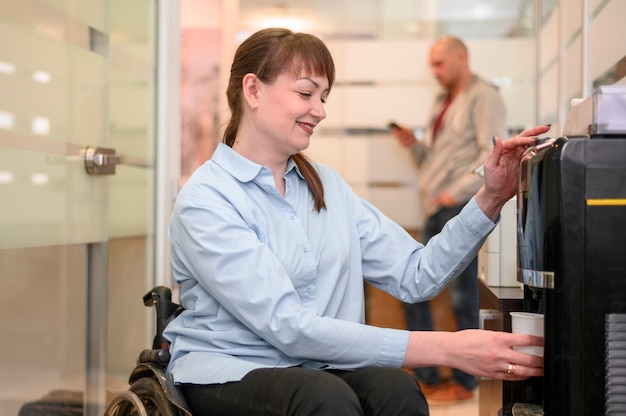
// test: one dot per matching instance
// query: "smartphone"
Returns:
(393, 125)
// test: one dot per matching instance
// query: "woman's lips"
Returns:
(308, 127)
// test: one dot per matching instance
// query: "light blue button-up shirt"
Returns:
(267, 281)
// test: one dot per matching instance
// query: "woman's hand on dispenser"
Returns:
(502, 170)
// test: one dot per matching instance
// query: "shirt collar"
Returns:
(241, 168)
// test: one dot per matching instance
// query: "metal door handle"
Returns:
(101, 160)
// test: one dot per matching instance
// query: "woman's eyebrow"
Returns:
(311, 81)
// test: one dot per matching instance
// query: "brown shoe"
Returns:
(428, 389)
(449, 393)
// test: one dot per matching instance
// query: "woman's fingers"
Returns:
(535, 131)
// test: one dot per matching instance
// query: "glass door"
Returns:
(77, 190)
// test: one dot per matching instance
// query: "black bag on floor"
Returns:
(55, 403)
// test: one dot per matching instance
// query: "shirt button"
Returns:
(305, 249)
(292, 217)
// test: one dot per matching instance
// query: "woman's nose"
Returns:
(318, 111)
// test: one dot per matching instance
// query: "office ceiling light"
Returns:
(482, 10)
(283, 16)
(41, 77)
(6, 177)
(7, 68)
(39, 178)
(40, 125)
(7, 120)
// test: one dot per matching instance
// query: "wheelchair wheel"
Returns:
(153, 401)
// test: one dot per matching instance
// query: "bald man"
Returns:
(457, 139)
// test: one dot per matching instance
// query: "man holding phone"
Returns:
(464, 119)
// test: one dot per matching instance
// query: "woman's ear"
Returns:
(251, 90)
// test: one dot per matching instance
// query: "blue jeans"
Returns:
(464, 298)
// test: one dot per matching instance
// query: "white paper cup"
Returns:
(528, 323)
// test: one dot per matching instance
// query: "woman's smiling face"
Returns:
(289, 109)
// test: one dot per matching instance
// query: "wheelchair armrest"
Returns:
(159, 357)
(161, 298)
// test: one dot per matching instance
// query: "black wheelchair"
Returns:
(151, 392)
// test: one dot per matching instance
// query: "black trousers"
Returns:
(302, 391)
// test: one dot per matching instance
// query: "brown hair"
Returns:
(268, 53)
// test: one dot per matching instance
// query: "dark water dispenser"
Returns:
(571, 229)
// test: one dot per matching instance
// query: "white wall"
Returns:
(379, 80)
(578, 42)
(382, 80)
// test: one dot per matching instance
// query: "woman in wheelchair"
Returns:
(272, 251)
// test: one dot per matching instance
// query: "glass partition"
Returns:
(54, 216)
(74, 247)
(132, 106)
